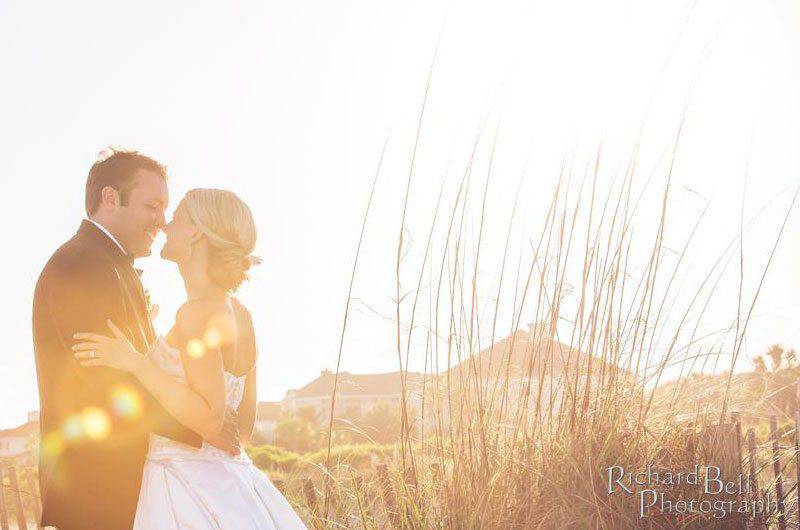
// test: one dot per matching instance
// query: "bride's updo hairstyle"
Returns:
(228, 225)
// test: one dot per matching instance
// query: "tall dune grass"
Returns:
(496, 446)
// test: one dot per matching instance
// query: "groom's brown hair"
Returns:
(117, 168)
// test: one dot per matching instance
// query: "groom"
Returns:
(95, 422)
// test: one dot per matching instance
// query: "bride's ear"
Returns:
(197, 236)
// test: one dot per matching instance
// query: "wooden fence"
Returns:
(772, 469)
(20, 506)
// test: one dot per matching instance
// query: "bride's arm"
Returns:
(248, 409)
(204, 369)
(200, 404)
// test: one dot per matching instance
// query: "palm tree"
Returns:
(776, 353)
(759, 366)
(791, 357)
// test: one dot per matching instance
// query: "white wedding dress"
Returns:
(204, 488)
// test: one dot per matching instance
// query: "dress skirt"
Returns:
(209, 490)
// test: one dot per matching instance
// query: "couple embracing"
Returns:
(137, 430)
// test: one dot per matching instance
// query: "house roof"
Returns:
(21, 431)
(357, 384)
(523, 354)
(527, 353)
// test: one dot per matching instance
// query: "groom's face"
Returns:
(139, 222)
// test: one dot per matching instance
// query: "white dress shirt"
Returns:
(106, 232)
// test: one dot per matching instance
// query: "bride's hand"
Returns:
(227, 438)
(117, 351)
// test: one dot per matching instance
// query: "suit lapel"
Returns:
(139, 320)
(135, 292)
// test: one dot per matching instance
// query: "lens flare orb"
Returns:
(52, 444)
(213, 337)
(96, 423)
(195, 348)
(72, 428)
(126, 402)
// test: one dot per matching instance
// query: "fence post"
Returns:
(437, 495)
(30, 480)
(737, 426)
(389, 499)
(17, 496)
(776, 470)
(753, 477)
(311, 499)
(412, 492)
(738, 467)
(3, 512)
(797, 452)
(310, 493)
(691, 441)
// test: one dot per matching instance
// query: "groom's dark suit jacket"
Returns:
(90, 472)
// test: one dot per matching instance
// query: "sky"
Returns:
(290, 103)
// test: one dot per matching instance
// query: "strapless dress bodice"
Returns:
(204, 488)
(168, 358)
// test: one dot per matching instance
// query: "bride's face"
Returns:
(181, 234)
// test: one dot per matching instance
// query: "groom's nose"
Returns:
(161, 221)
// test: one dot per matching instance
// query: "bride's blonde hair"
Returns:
(228, 225)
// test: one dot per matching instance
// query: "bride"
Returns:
(204, 365)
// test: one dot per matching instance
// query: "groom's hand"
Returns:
(228, 438)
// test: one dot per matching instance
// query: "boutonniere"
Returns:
(152, 309)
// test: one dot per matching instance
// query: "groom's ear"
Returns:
(109, 197)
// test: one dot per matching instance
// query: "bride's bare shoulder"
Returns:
(204, 318)
(240, 309)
